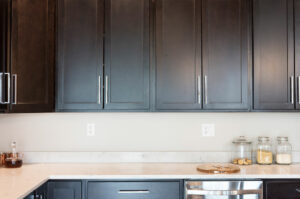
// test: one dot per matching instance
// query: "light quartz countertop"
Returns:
(17, 183)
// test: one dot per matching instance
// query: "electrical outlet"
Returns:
(90, 129)
(208, 130)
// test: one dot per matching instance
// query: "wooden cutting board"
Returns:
(218, 168)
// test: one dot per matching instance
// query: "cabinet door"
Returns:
(64, 190)
(32, 55)
(4, 49)
(225, 53)
(41, 192)
(178, 54)
(297, 51)
(282, 190)
(127, 54)
(273, 54)
(133, 190)
(80, 55)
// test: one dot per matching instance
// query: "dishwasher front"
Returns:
(223, 189)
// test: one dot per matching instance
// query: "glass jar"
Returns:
(264, 153)
(242, 152)
(14, 159)
(283, 151)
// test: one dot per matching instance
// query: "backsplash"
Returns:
(142, 132)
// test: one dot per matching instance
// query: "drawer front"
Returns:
(133, 190)
(283, 190)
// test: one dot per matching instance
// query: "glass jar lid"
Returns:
(282, 139)
(242, 140)
(263, 139)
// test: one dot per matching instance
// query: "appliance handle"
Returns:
(223, 192)
(133, 191)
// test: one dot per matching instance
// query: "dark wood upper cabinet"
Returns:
(297, 52)
(178, 55)
(80, 55)
(226, 34)
(32, 55)
(127, 53)
(273, 55)
(4, 55)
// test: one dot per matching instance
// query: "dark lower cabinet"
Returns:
(127, 52)
(178, 55)
(282, 189)
(80, 55)
(134, 190)
(64, 190)
(273, 54)
(226, 54)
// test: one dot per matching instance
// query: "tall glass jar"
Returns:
(283, 151)
(264, 151)
(242, 151)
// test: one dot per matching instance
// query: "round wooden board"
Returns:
(218, 168)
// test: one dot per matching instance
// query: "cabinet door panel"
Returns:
(134, 190)
(80, 54)
(297, 51)
(32, 59)
(273, 54)
(4, 49)
(282, 190)
(225, 53)
(178, 54)
(64, 190)
(127, 54)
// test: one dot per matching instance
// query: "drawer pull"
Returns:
(298, 190)
(133, 191)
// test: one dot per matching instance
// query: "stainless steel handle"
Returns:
(133, 191)
(298, 89)
(223, 192)
(15, 80)
(205, 89)
(199, 89)
(99, 90)
(292, 90)
(8, 88)
(1, 87)
(106, 89)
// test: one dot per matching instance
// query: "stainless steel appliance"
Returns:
(223, 190)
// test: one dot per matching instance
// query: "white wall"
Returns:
(141, 131)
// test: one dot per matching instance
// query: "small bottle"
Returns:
(15, 160)
(264, 151)
(283, 151)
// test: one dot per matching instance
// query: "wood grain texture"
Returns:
(226, 34)
(32, 55)
(273, 54)
(178, 54)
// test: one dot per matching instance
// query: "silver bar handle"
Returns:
(99, 91)
(298, 89)
(1, 87)
(106, 89)
(223, 192)
(292, 90)
(205, 89)
(15, 80)
(199, 89)
(133, 191)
